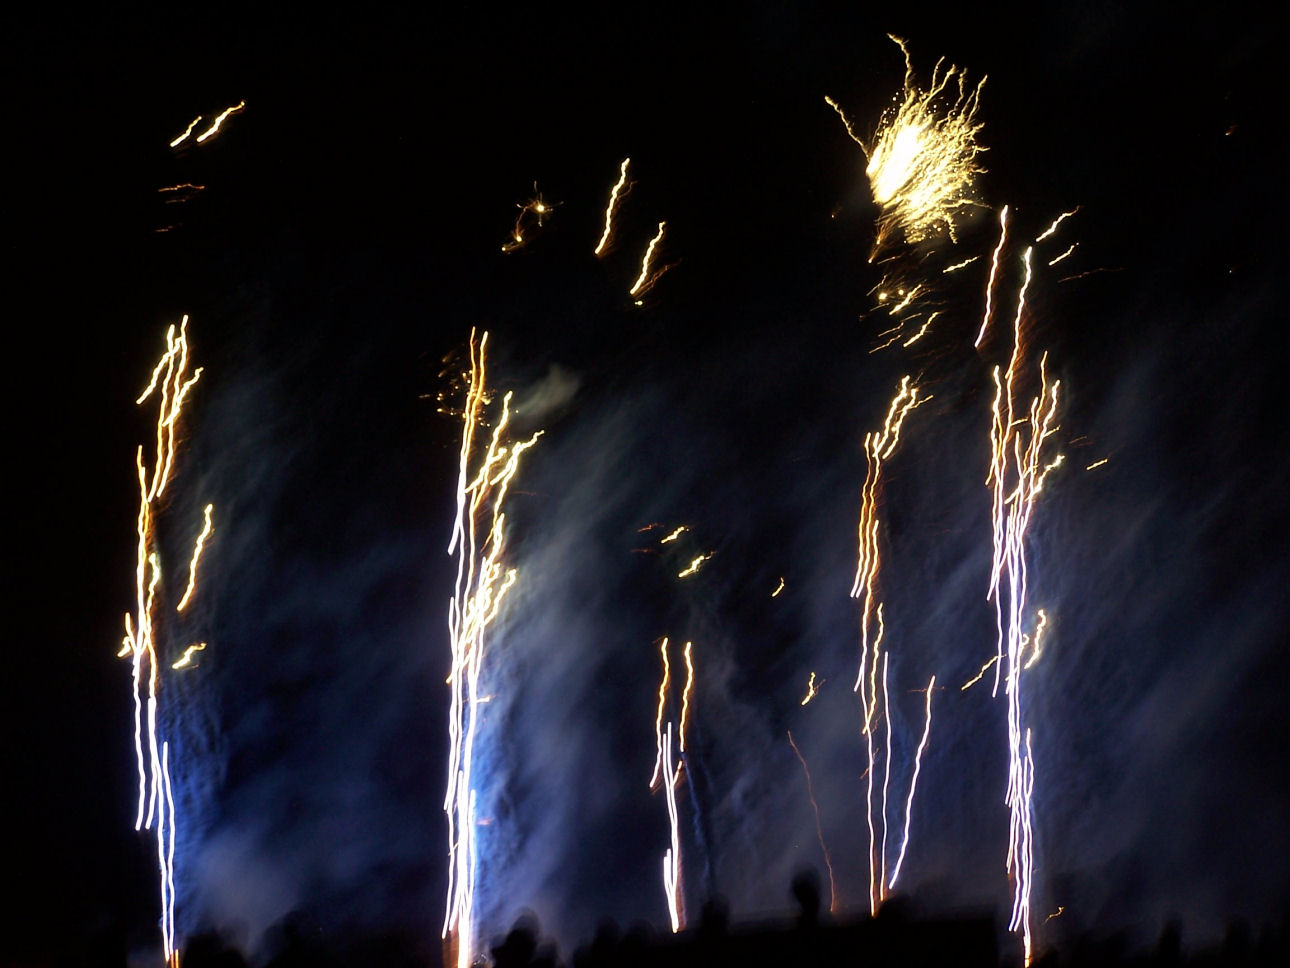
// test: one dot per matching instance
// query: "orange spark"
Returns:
(819, 829)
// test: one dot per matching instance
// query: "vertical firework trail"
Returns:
(1018, 434)
(878, 447)
(171, 384)
(487, 465)
(667, 772)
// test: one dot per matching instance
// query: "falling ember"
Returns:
(170, 384)
(778, 588)
(819, 829)
(485, 471)
(649, 276)
(668, 772)
(922, 161)
(674, 534)
(219, 121)
(616, 195)
(1017, 474)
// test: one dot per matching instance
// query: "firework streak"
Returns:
(668, 774)
(1016, 479)
(171, 383)
(487, 466)
(878, 447)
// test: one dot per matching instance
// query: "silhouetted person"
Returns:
(1168, 952)
(806, 891)
(603, 950)
(516, 951)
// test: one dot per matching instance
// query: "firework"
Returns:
(1018, 470)
(878, 447)
(170, 384)
(922, 162)
(486, 468)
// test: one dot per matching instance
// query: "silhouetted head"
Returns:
(806, 891)
(518, 947)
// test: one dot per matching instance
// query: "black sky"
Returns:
(348, 238)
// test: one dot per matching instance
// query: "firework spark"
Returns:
(485, 472)
(533, 211)
(171, 384)
(616, 195)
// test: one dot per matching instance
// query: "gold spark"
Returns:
(1073, 247)
(694, 565)
(215, 125)
(616, 195)
(187, 131)
(186, 659)
(649, 276)
(811, 690)
(778, 588)
(197, 553)
(675, 534)
(1056, 222)
(1097, 463)
(977, 678)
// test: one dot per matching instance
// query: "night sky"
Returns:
(347, 240)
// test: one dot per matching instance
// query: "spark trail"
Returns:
(170, 385)
(486, 468)
(667, 773)
(1018, 469)
(879, 447)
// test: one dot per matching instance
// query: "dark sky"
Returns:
(348, 238)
